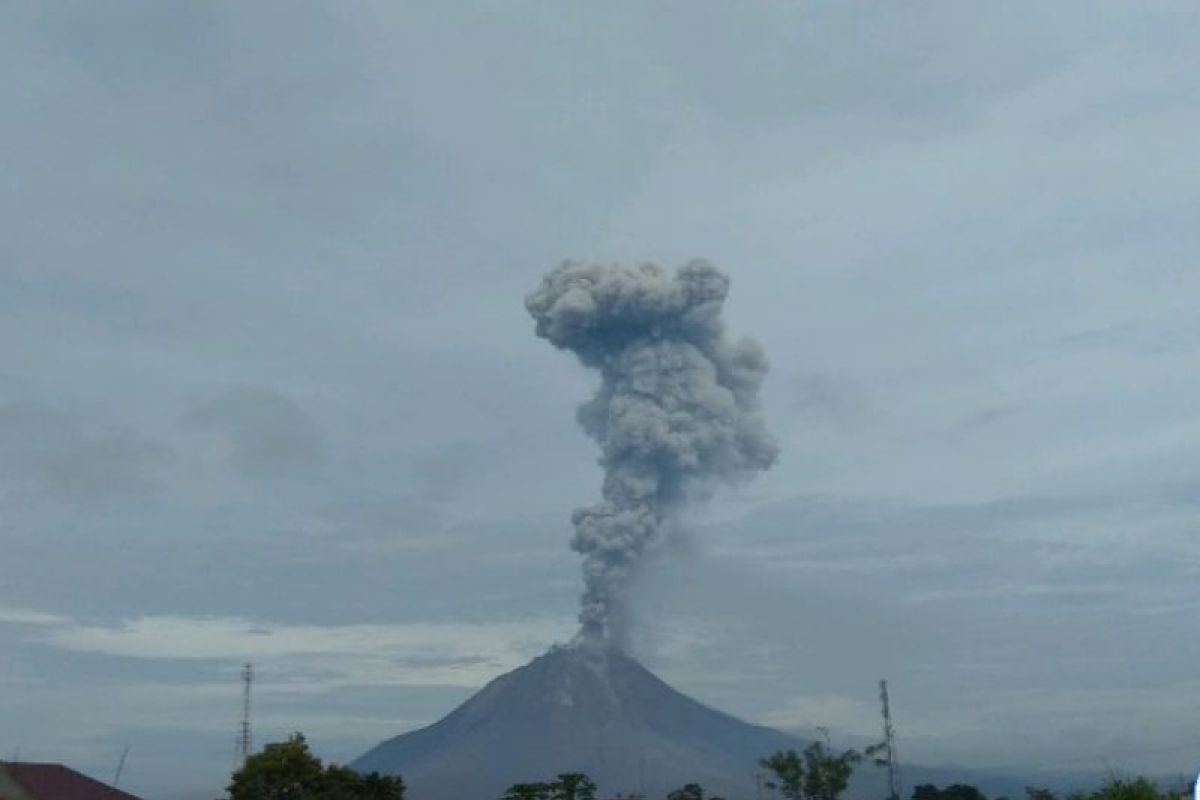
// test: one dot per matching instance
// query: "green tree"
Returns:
(282, 771)
(817, 774)
(528, 791)
(343, 783)
(374, 786)
(1114, 788)
(691, 791)
(289, 771)
(956, 791)
(573, 786)
(1033, 793)
(788, 769)
(569, 786)
(962, 791)
(1128, 789)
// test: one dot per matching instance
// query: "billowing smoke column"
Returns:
(677, 409)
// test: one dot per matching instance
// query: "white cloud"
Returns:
(416, 654)
(10, 615)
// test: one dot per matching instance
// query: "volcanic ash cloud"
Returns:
(676, 411)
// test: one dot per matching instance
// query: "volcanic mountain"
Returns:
(578, 709)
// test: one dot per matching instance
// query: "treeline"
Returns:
(289, 771)
(1114, 788)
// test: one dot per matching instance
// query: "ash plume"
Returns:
(676, 412)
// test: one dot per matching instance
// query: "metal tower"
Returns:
(889, 741)
(245, 742)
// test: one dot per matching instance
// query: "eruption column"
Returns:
(677, 408)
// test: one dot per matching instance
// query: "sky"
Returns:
(268, 391)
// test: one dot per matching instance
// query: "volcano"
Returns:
(578, 709)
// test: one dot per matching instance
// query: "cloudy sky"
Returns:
(268, 391)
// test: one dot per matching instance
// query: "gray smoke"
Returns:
(677, 409)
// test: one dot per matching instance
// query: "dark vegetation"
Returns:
(815, 774)
(289, 771)
(569, 786)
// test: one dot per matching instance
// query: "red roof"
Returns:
(53, 782)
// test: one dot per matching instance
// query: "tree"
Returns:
(1127, 789)
(818, 774)
(343, 783)
(691, 791)
(956, 791)
(1033, 793)
(569, 786)
(528, 791)
(374, 786)
(573, 786)
(1114, 788)
(289, 771)
(282, 771)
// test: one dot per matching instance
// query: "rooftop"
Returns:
(27, 781)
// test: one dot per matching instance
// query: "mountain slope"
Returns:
(579, 709)
(585, 709)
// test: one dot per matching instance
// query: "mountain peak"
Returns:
(583, 707)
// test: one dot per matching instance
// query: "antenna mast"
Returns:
(120, 767)
(245, 742)
(889, 741)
